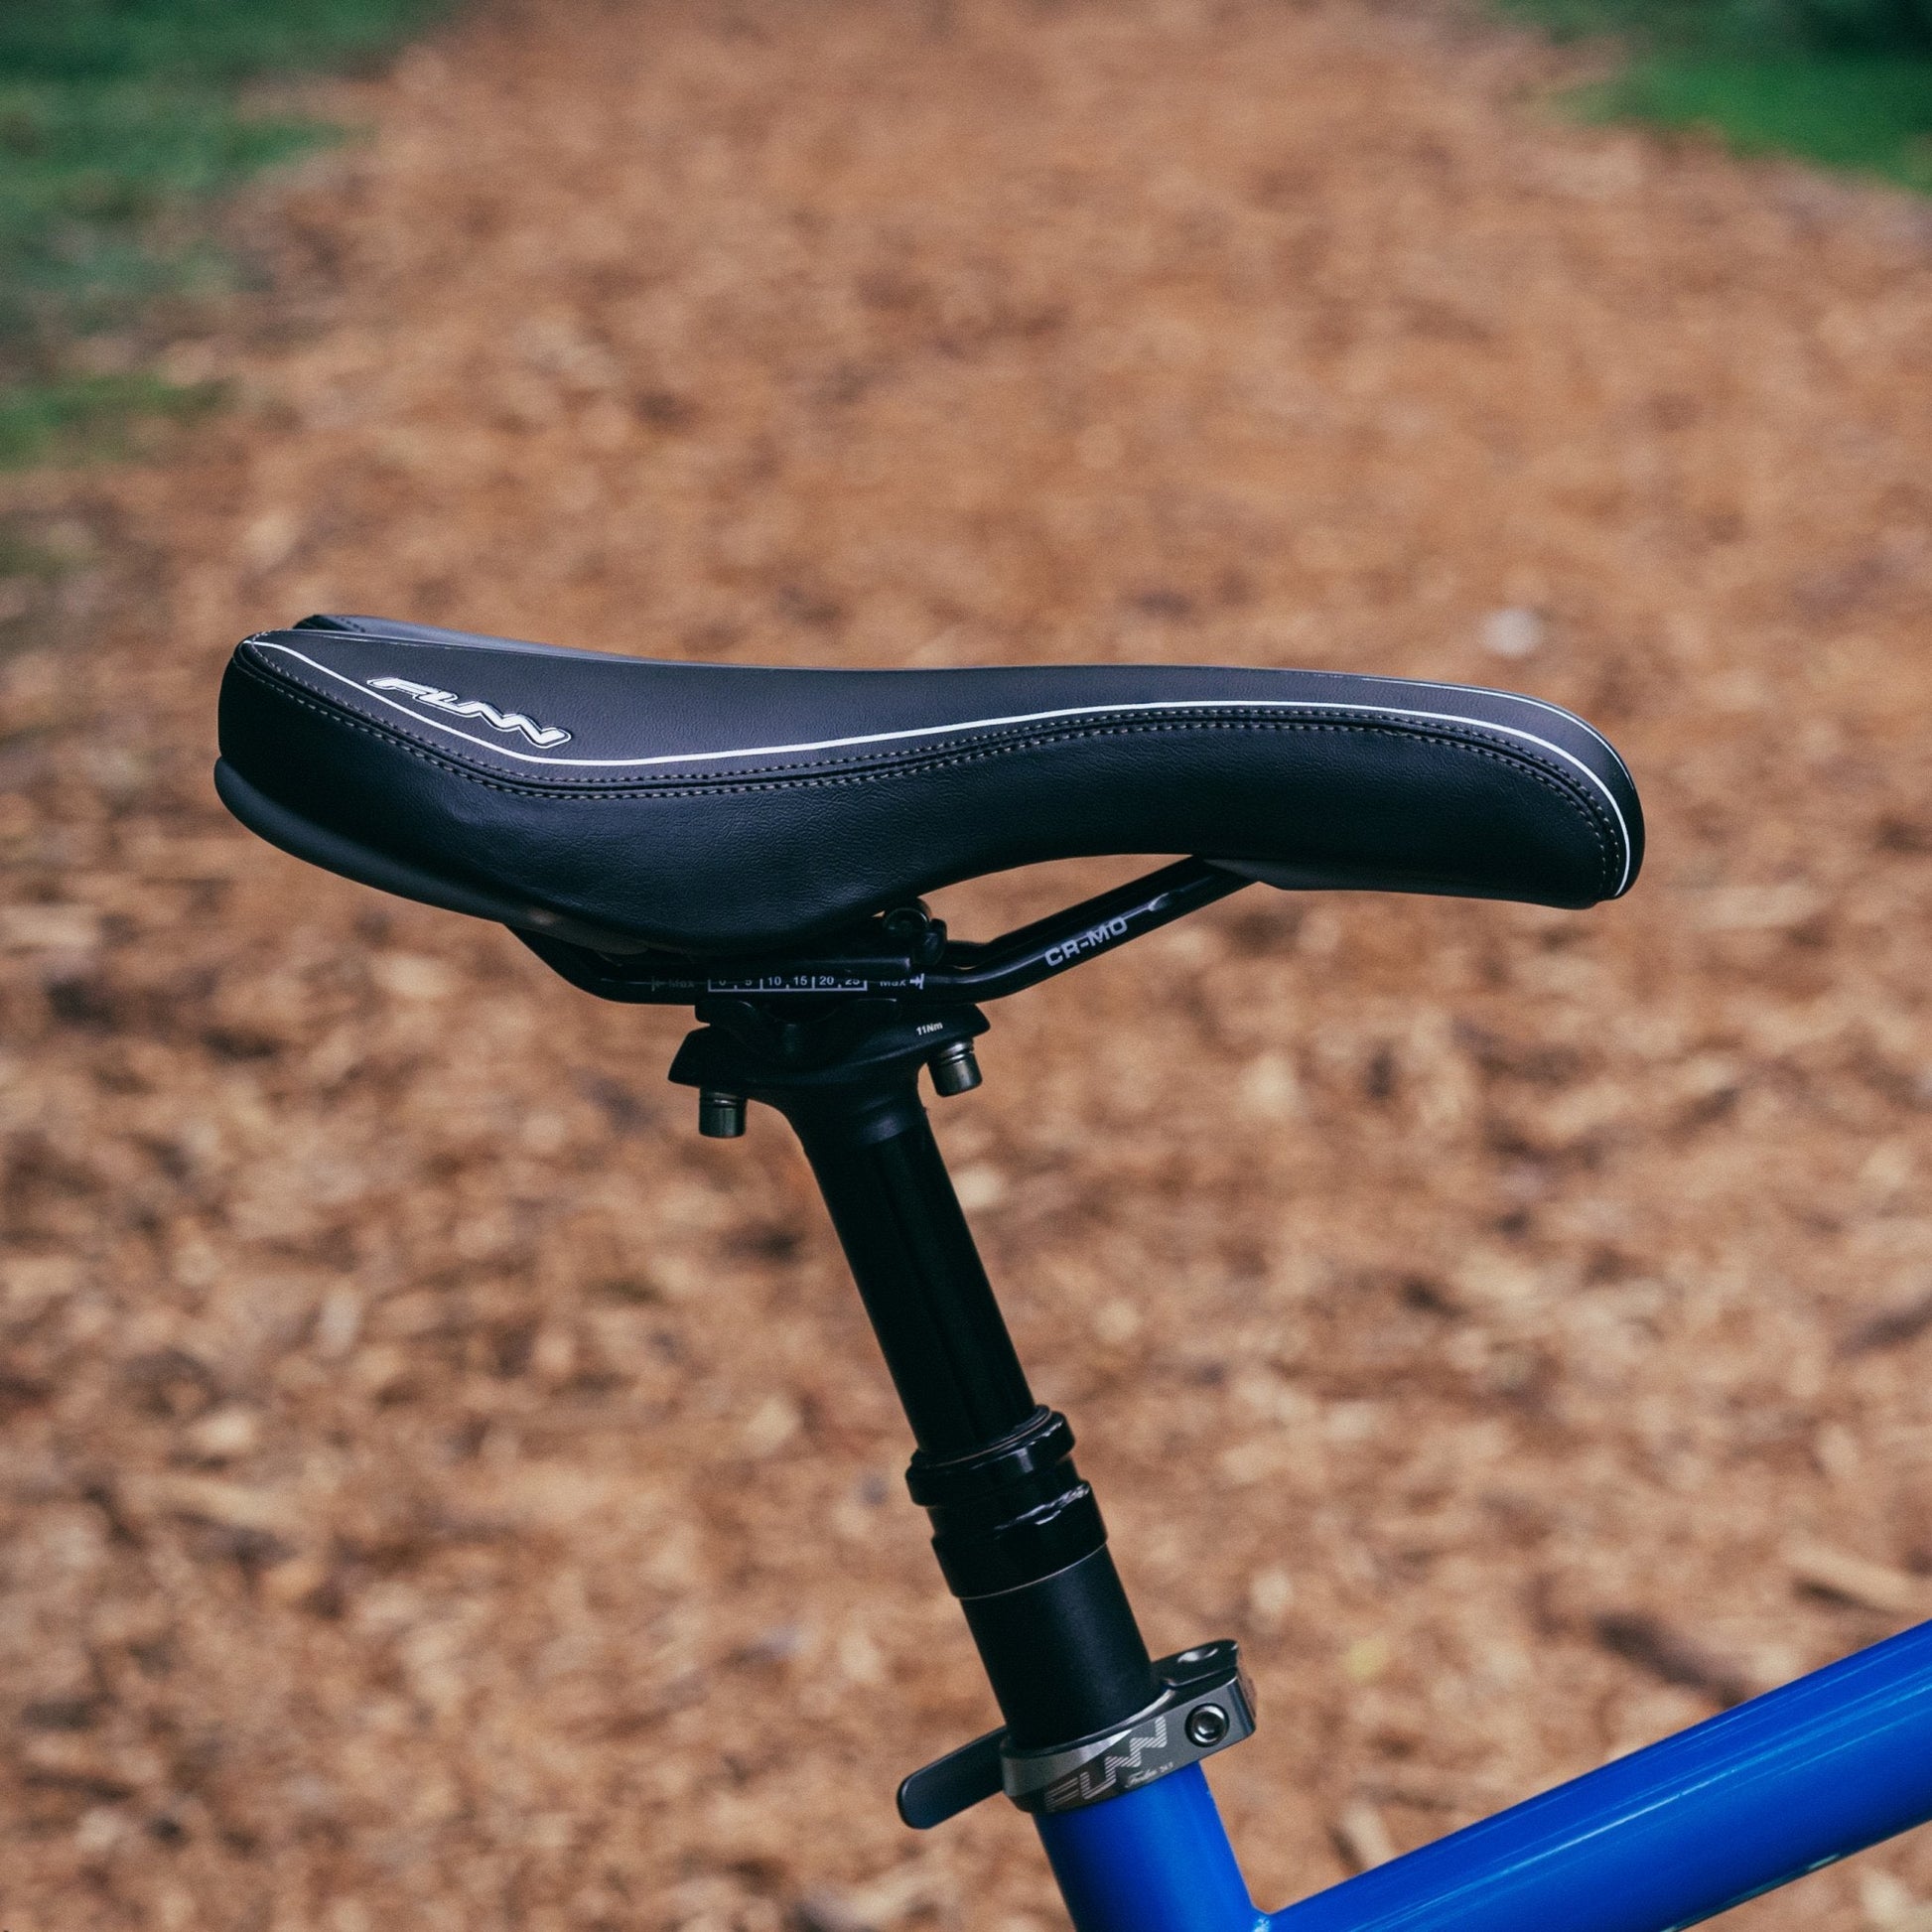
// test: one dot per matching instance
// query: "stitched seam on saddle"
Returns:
(260, 646)
(1553, 779)
(1394, 715)
(883, 763)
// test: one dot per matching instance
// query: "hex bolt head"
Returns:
(954, 1069)
(721, 1116)
(1207, 1725)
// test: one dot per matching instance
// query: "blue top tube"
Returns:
(1652, 1843)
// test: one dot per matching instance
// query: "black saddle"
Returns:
(713, 810)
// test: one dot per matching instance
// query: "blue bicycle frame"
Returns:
(1779, 1787)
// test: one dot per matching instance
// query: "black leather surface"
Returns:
(713, 808)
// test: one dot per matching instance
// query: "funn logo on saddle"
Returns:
(543, 735)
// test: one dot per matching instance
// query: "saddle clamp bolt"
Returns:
(954, 1069)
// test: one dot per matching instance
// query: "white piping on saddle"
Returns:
(996, 724)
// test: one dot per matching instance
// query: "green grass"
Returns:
(1871, 114)
(1846, 84)
(119, 121)
(1748, 29)
(87, 414)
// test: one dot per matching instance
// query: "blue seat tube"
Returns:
(1154, 1860)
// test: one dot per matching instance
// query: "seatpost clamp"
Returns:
(1207, 1704)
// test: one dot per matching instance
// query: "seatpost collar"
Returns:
(1205, 1704)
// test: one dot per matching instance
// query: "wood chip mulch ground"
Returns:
(437, 1491)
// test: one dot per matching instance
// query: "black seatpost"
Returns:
(1018, 1533)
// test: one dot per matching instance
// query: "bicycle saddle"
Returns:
(713, 810)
